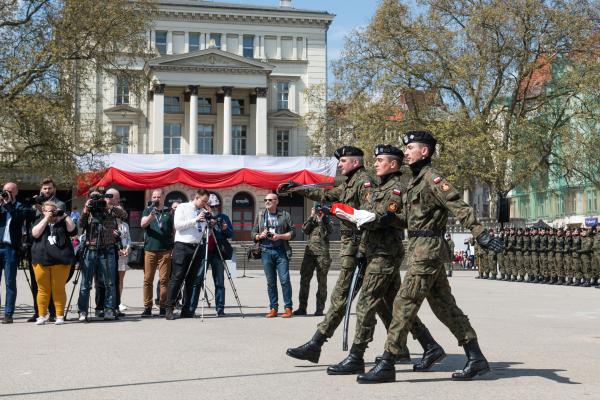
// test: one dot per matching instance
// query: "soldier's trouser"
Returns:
(380, 285)
(511, 262)
(586, 265)
(568, 262)
(535, 264)
(492, 266)
(519, 267)
(501, 264)
(448, 267)
(544, 267)
(337, 301)
(426, 280)
(596, 267)
(526, 264)
(552, 264)
(576, 267)
(310, 263)
(559, 262)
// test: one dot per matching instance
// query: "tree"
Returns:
(512, 75)
(46, 46)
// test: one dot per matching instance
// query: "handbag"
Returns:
(135, 258)
(226, 249)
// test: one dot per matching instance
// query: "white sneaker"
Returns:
(59, 321)
(122, 307)
(82, 316)
(41, 320)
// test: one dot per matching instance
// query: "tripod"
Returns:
(208, 230)
(245, 247)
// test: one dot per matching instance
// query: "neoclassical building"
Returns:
(226, 79)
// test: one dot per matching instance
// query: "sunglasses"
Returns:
(266, 200)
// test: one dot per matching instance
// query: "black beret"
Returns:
(420, 137)
(348, 151)
(387, 149)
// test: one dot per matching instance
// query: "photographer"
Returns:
(12, 217)
(189, 223)
(318, 227)
(273, 229)
(52, 255)
(99, 223)
(47, 193)
(223, 230)
(157, 221)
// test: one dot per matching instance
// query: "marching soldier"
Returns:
(491, 261)
(526, 255)
(576, 258)
(451, 253)
(502, 256)
(596, 258)
(559, 256)
(316, 257)
(428, 199)
(543, 260)
(587, 244)
(535, 255)
(510, 253)
(551, 257)
(518, 267)
(568, 256)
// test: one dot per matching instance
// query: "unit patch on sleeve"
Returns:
(445, 187)
(392, 207)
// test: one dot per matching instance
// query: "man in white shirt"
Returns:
(189, 225)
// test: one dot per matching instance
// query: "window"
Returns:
(216, 37)
(172, 104)
(270, 47)
(122, 90)
(204, 105)
(248, 46)
(541, 204)
(287, 45)
(300, 44)
(524, 207)
(238, 137)
(161, 42)
(591, 201)
(237, 107)
(233, 44)
(178, 40)
(122, 139)
(205, 139)
(560, 205)
(283, 91)
(283, 142)
(194, 42)
(172, 139)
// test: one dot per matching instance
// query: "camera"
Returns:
(58, 212)
(39, 199)
(270, 235)
(98, 202)
(152, 203)
(209, 216)
(4, 194)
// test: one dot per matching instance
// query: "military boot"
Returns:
(485, 275)
(501, 277)
(560, 281)
(449, 274)
(383, 371)
(586, 283)
(353, 364)
(493, 277)
(398, 359)
(300, 311)
(311, 350)
(535, 280)
(513, 278)
(476, 363)
(576, 282)
(433, 353)
(507, 277)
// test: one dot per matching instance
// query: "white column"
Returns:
(169, 42)
(278, 53)
(202, 41)
(186, 42)
(261, 121)
(294, 48)
(227, 120)
(251, 144)
(223, 41)
(193, 124)
(292, 97)
(256, 47)
(158, 123)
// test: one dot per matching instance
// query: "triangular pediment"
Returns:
(210, 58)
(122, 108)
(284, 114)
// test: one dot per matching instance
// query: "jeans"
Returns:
(8, 262)
(105, 263)
(218, 275)
(275, 262)
(100, 296)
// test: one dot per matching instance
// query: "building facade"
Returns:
(226, 79)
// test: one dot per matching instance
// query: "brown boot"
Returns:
(287, 313)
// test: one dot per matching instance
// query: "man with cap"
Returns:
(383, 248)
(576, 258)
(427, 201)
(317, 228)
(450, 253)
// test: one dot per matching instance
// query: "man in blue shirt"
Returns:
(223, 228)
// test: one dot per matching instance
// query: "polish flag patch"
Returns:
(437, 180)
(397, 192)
(367, 185)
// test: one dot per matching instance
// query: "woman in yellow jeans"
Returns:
(52, 254)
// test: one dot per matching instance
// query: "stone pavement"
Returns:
(543, 342)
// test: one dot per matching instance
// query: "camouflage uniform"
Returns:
(535, 256)
(596, 257)
(316, 256)
(492, 266)
(501, 257)
(576, 258)
(587, 244)
(518, 269)
(451, 253)
(568, 255)
(544, 271)
(526, 254)
(485, 266)
(427, 202)
(559, 257)
(383, 248)
(512, 255)
(551, 257)
(350, 192)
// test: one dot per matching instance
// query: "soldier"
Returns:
(568, 256)
(478, 259)
(576, 258)
(543, 250)
(484, 260)
(382, 246)
(526, 255)
(517, 271)
(514, 248)
(502, 256)
(428, 200)
(585, 254)
(535, 255)
(559, 256)
(451, 253)
(491, 260)
(510, 255)
(316, 257)
(596, 257)
(551, 257)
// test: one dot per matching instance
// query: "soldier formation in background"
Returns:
(545, 255)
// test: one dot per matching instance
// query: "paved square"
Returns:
(543, 342)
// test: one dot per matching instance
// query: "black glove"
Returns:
(493, 243)
(326, 209)
(385, 219)
(284, 187)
